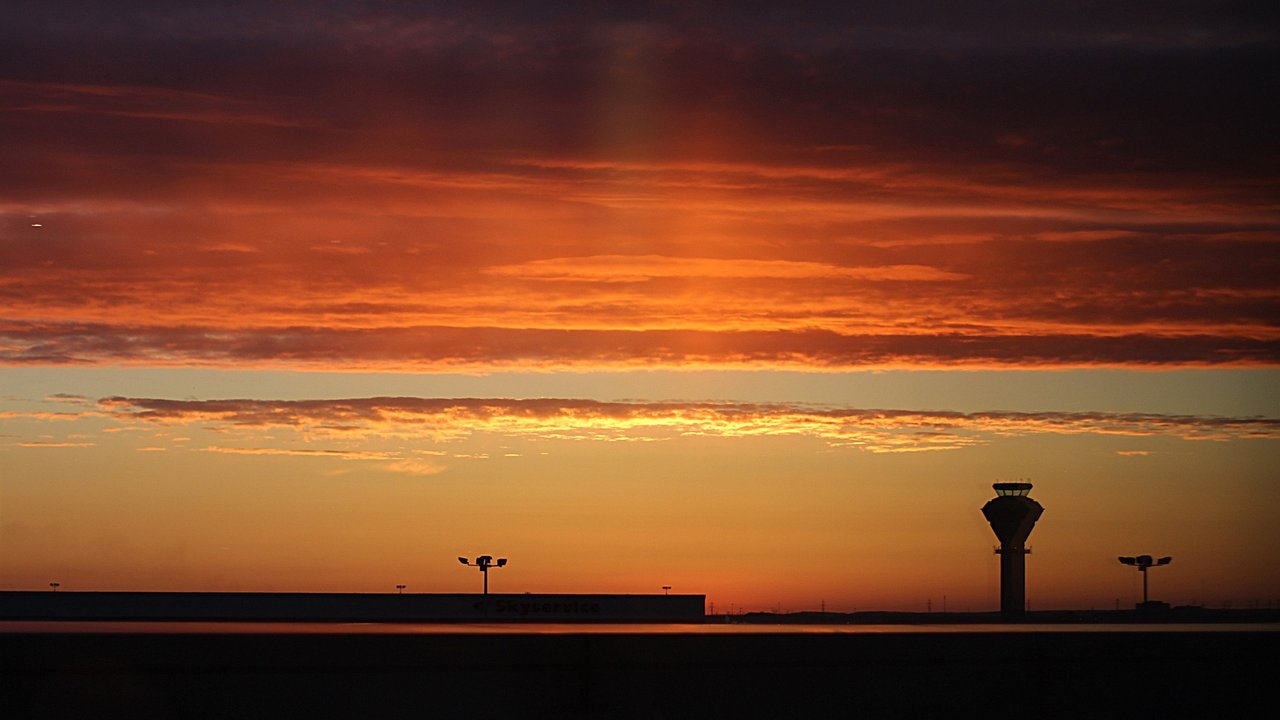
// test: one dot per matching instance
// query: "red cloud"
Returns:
(423, 189)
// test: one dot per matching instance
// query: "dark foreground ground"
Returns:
(1004, 675)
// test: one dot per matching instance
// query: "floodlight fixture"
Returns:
(484, 562)
(1142, 562)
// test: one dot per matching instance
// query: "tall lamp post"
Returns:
(484, 562)
(1142, 562)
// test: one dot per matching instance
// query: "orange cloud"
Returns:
(591, 197)
(55, 416)
(447, 419)
(342, 454)
(416, 467)
(624, 268)
(340, 268)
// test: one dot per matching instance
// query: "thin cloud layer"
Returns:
(445, 348)
(453, 419)
(630, 269)
(388, 186)
(342, 454)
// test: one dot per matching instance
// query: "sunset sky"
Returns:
(751, 302)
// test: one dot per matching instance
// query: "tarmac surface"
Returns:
(1097, 671)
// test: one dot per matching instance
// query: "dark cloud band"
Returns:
(445, 347)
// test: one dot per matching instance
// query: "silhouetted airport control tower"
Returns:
(1012, 516)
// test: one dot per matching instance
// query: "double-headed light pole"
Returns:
(1142, 562)
(484, 562)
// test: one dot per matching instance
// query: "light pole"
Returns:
(666, 589)
(484, 562)
(400, 588)
(55, 586)
(1142, 562)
